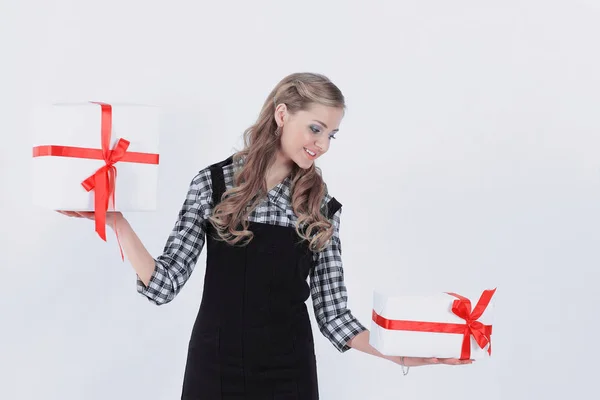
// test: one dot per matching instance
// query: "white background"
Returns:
(469, 158)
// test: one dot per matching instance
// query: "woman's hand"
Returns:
(420, 361)
(111, 216)
(139, 257)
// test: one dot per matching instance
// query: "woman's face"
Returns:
(306, 135)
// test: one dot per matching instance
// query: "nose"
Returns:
(322, 143)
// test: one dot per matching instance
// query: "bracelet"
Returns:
(402, 365)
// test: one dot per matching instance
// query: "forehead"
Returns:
(331, 116)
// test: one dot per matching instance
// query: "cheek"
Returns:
(295, 139)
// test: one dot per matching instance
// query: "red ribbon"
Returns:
(103, 180)
(462, 308)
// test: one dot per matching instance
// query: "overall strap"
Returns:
(218, 179)
(332, 207)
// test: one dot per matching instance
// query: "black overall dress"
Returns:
(252, 338)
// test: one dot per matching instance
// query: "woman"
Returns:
(270, 226)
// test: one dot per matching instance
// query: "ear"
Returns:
(281, 114)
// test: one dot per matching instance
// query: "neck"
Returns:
(280, 169)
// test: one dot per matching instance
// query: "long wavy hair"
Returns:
(298, 92)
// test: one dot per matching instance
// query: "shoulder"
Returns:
(200, 186)
(331, 206)
(226, 168)
(202, 182)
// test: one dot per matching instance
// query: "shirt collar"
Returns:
(280, 194)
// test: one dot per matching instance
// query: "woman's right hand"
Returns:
(111, 216)
(140, 259)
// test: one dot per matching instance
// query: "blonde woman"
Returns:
(272, 235)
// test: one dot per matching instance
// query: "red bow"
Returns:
(481, 333)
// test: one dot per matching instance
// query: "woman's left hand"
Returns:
(421, 361)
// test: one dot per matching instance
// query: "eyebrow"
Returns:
(325, 125)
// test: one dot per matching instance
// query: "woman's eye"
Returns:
(332, 136)
(315, 129)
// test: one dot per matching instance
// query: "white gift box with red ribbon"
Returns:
(446, 325)
(74, 141)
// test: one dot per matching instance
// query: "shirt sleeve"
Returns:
(174, 266)
(329, 295)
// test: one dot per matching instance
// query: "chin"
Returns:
(304, 163)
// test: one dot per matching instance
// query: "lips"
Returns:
(310, 153)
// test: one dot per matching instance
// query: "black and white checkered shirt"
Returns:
(174, 267)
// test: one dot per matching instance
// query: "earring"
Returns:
(278, 131)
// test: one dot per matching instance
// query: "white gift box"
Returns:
(395, 317)
(57, 180)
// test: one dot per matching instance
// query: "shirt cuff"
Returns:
(342, 329)
(150, 291)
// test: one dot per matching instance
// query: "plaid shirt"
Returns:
(174, 267)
